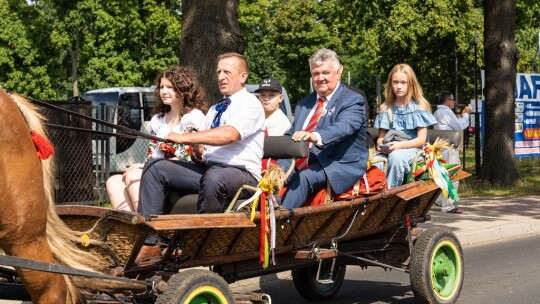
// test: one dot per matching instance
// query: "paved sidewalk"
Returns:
(488, 219)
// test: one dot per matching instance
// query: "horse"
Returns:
(29, 225)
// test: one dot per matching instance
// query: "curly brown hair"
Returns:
(186, 86)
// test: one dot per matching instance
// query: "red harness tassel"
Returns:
(44, 148)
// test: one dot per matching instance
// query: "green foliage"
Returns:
(22, 65)
(527, 31)
(428, 35)
(255, 18)
(108, 43)
(370, 37)
(126, 43)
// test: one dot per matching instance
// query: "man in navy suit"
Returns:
(337, 141)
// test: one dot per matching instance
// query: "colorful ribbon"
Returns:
(267, 235)
(438, 173)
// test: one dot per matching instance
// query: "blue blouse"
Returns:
(405, 119)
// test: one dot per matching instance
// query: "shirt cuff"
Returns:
(319, 142)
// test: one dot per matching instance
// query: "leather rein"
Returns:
(125, 131)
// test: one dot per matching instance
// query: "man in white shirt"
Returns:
(447, 120)
(231, 149)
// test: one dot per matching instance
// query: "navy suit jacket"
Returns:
(343, 155)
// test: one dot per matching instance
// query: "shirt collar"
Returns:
(331, 94)
(235, 95)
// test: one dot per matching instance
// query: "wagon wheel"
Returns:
(305, 280)
(196, 286)
(436, 267)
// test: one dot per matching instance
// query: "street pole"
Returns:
(456, 96)
(378, 91)
(538, 52)
(476, 112)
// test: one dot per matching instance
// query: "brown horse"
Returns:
(29, 225)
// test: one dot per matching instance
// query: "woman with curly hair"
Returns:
(180, 106)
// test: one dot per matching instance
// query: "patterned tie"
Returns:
(302, 163)
(221, 107)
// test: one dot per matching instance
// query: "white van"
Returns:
(125, 106)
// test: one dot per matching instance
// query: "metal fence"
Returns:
(85, 160)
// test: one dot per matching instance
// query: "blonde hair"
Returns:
(414, 90)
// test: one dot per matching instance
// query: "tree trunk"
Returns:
(209, 28)
(498, 166)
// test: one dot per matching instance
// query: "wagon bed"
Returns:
(371, 231)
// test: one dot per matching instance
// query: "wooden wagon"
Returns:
(203, 253)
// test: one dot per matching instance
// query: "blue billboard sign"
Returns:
(527, 124)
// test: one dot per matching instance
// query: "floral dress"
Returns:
(190, 122)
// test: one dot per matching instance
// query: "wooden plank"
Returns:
(428, 187)
(97, 212)
(191, 221)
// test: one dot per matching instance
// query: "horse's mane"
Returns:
(61, 238)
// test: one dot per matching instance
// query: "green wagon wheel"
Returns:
(445, 269)
(437, 267)
(196, 286)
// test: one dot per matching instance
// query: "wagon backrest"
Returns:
(283, 147)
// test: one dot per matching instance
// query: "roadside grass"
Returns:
(529, 169)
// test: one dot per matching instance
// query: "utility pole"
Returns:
(539, 52)
(378, 92)
(477, 143)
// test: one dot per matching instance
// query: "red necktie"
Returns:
(302, 163)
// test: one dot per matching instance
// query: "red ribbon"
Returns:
(44, 148)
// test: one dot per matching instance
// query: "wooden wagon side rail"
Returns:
(197, 221)
(322, 224)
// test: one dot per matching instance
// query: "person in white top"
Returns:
(447, 120)
(231, 148)
(270, 96)
(180, 106)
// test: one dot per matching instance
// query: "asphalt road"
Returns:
(503, 272)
